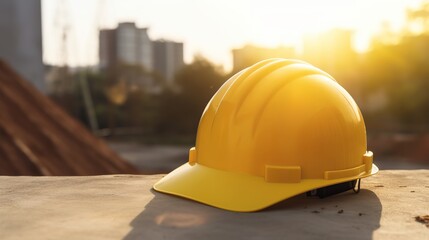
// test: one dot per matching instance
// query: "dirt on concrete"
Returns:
(423, 219)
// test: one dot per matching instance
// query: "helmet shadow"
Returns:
(343, 216)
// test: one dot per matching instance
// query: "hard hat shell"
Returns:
(274, 130)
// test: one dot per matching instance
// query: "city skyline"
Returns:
(127, 44)
(211, 28)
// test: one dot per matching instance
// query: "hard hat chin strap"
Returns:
(358, 187)
(335, 189)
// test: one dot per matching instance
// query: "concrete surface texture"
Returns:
(125, 207)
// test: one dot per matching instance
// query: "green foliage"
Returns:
(175, 111)
(181, 110)
(401, 72)
(66, 93)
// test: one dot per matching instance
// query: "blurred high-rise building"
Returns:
(168, 59)
(21, 39)
(129, 45)
(126, 44)
(248, 55)
(331, 50)
(107, 48)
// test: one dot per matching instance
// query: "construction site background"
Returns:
(152, 126)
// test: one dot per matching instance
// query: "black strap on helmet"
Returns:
(335, 189)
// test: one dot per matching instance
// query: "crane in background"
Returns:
(61, 24)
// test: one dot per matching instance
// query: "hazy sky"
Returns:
(211, 28)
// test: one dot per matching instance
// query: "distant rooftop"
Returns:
(38, 138)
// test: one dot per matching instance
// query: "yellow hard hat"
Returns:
(274, 130)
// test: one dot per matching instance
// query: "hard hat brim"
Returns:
(236, 191)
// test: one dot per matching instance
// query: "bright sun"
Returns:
(289, 22)
(213, 28)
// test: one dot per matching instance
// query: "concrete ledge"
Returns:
(124, 206)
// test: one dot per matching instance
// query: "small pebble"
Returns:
(378, 186)
(412, 191)
(315, 211)
(341, 211)
(402, 186)
(360, 214)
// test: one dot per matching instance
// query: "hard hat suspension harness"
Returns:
(335, 189)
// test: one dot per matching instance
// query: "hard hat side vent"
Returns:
(282, 174)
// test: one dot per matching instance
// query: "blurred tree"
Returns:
(419, 18)
(125, 88)
(66, 92)
(400, 72)
(117, 94)
(96, 82)
(124, 97)
(181, 109)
